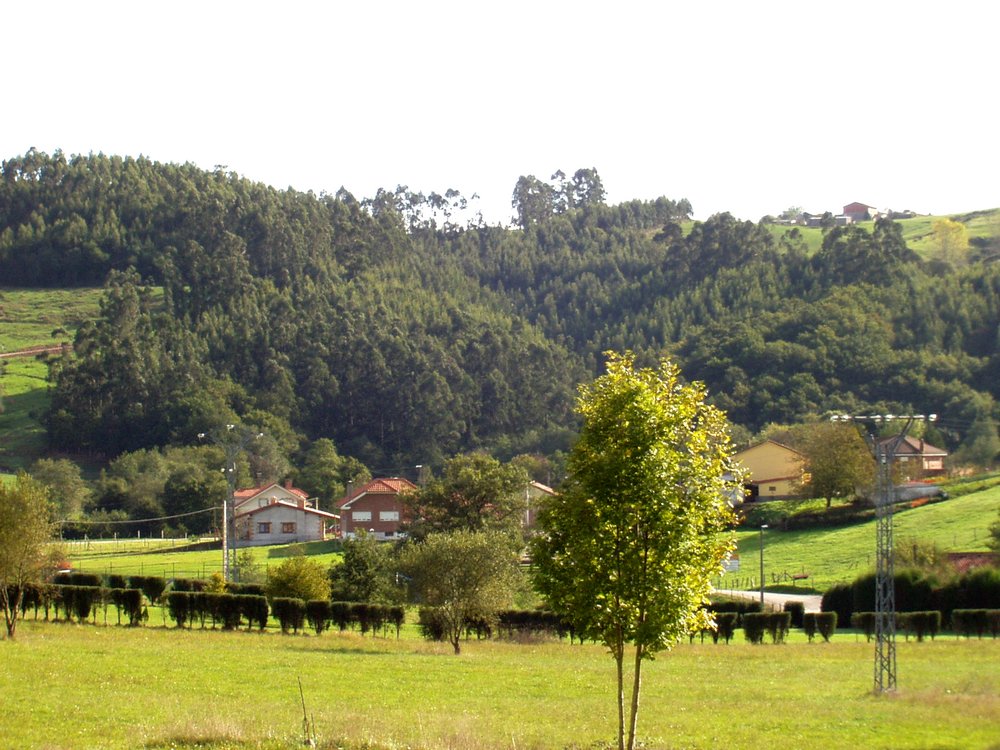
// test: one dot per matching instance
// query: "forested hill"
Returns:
(406, 337)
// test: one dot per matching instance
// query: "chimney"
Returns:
(288, 484)
(350, 488)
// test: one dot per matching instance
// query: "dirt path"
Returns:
(33, 351)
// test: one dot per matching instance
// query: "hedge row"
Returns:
(915, 592)
(227, 610)
(775, 624)
(976, 622)
(824, 623)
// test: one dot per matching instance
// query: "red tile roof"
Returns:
(250, 492)
(387, 486)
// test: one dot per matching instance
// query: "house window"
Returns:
(264, 527)
(362, 515)
(288, 527)
(388, 515)
(772, 488)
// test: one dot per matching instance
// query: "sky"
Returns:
(749, 108)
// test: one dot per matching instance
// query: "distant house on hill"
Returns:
(918, 459)
(862, 212)
(374, 508)
(534, 495)
(775, 471)
(275, 514)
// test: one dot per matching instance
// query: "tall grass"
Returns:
(71, 686)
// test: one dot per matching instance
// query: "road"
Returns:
(811, 601)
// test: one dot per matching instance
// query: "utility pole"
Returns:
(884, 453)
(233, 440)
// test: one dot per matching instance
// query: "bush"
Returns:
(289, 612)
(865, 622)
(796, 610)
(725, 626)
(91, 580)
(340, 614)
(431, 624)
(298, 578)
(78, 601)
(116, 581)
(129, 602)
(920, 623)
(179, 607)
(826, 624)
(187, 584)
(152, 587)
(318, 613)
(754, 626)
(839, 598)
(227, 608)
(777, 625)
(969, 622)
(254, 608)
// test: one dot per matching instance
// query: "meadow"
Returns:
(84, 686)
(840, 554)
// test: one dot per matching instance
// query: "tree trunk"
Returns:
(619, 652)
(634, 709)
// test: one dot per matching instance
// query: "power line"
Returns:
(141, 520)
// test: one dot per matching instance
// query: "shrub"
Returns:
(725, 626)
(254, 608)
(227, 608)
(777, 625)
(754, 626)
(92, 580)
(187, 584)
(431, 624)
(318, 613)
(824, 623)
(179, 607)
(151, 586)
(969, 622)
(116, 581)
(289, 612)
(340, 614)
(839, 598)
(920, 623)
(865, 622)
(78, 601)
(397, 616)
(246, 589)
(298, 578)
(796, 610)
(129, 602)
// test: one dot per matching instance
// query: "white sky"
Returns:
(747, 107)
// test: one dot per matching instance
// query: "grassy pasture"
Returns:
(838, 555)
(71, 686)
(29, 317)
(156, 558)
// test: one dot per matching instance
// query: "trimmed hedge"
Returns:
(919, 623)
(824, 623)
(796, 610)
(318, 612)
(776, 624)
(290, 613)
(976, 622)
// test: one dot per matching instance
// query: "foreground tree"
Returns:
(464, 574)
(628, 549)
(25, 530)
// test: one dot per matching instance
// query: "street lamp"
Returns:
(763, 526)
(233, 441)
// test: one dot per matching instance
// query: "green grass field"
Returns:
(160, 558)
(85, 686)
(838, 555)
(37, 317)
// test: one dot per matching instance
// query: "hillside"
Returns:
(406, 338)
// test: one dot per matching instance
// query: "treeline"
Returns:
(404, 337)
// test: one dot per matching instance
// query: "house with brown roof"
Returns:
(535, 494)
(375, 508)
(917, 459)
(774, 471)
(275, 514)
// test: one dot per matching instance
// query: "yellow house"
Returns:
(774, 471)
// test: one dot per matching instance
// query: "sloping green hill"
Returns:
(838, 555)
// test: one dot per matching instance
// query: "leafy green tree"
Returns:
(464, 574)
(25, 531)
(298, 577)
(325, 473)
(951, 241)
(838, 463)
(68, 490)
(629, 547)
(476, 493)
(366, 573)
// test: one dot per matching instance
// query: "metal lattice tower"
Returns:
(884, 452)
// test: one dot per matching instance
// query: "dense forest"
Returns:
(405, 336)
